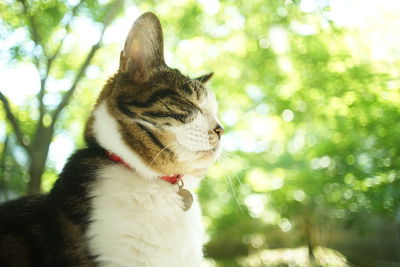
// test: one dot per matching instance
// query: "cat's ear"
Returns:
(144, 49)
(204, 78)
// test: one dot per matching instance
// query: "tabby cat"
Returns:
(126, 199)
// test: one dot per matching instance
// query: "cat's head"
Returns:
(156, 119)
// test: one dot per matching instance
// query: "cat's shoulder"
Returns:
(82, 165)
(16, 210)
(91, 156)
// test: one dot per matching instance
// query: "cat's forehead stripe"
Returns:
(153, 137)
(187, 88)
(156, 96)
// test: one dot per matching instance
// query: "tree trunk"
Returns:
(3, 183)
(309, 237)
(36, 170)
(397, 231)
(40, 150)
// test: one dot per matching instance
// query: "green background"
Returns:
(310, 104)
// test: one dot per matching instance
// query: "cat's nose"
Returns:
(219, 130)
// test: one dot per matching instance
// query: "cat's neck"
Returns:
(108, 136)
(191, 181)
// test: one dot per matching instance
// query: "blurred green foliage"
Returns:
(312, 121)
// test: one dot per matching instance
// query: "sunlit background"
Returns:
(309, 96)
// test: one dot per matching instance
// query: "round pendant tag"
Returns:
(187, 198)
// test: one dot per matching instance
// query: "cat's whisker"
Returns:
(178, 167)
(235, 193)
(225, 155)
(228, 179)
(106, 197)
(159, 152)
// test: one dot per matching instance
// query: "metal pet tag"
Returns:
(187, 198)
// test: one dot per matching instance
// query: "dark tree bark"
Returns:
(3, 182)
(40, 150)
(308, 233)
(37, 150)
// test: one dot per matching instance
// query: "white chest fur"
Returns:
(140, 222)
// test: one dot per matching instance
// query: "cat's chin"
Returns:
(213, 152)
(198, 173)
(207, 154)
(206, 158)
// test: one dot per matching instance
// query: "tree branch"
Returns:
(3, 181)
(32, 27)
(111, 13)
(33, 32)
(60, 45)
(78, 77)
(14, 122)
(51, 59)
(32, 24)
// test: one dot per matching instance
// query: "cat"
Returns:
(127, 198)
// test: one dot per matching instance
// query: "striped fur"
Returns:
(151, 111)
(160, 122)
(101, 213)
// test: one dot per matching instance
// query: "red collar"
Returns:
(172, 179)
(116, 158)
